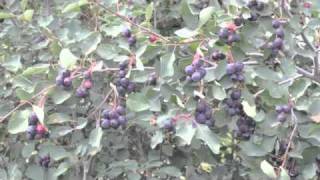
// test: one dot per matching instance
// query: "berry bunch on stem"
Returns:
(35, 129)
(45, 161)
(277, 43)
(203, 113)
(283, 111)
(83, 90)
(228, 34)
(235, 71)
(114, 118)
(124, 85)
(195, 71)
(233, 104)
(64, 79)
(130, 37)
(217, 55)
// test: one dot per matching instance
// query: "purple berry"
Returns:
(66, 73)
(121, 110)
(239, 66)
(32, 129)
(122, 74)
(189, 70)
(59, 80)
(236, 94)
(231, 111)
(277, 43)
(168, 124)
(132, 41)
(238, 21)
(87, 75)
(215, 56)
(81, 92)
(280, 33)
(240, 77)
(223, 33)
(282, 117)
(253, 16)
(252, 4)
(202, 72)
(126, 33)
(105, 114)
(259, 6)
(113, 114)
(124, 82)
(276, 23)
(114, 123)
(122, 120)
(286, 109)
(105, 123)
(231, 69)
(221, 56)
(67, 82)
(131, 87)
(33, 118)
(123, 65)
(196, 76)
(201, 107)
(279, 109)
(201, 118)
(121, 90)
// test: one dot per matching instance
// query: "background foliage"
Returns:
(40, 38)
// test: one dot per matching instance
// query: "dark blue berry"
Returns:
(189, 70)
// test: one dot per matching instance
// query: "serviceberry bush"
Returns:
(170, 89)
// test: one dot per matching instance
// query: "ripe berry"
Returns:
(276, 23)
(67, 82)
(66, 73)
(168, 124)
(81, 92)
(32, 130)
(87, 74)
(45, 161)
(122, 74)
(238, 21)
(105, 123)
(126, 33)
(189, 70)
(153, 38)
(120, 110)
(282, 117)
(105, 114)
(259, 6)
(59, 80)
(231, 69)
(196, 76)
(279, 109)
(236, 94)
(286, 109)
(277, 43)
(202, 72)
(122, 120)
(40, 129)
(123, 65)
(114, 123)
(87, 84)
(221, 56)
(215, 55)
(131, 87)
(280, 33)
(152, 79)
(201, 118)
(223, 33)
(239, 66)
(33, 118)
(253, 16)
(132, 41)
(124, 82)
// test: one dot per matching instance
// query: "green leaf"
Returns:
(36, 69)
(18, 122)
(167, 62)
(206, 135)
(66, 59)
(62, 168)
(28, 149)
(139, 53)
(249, 109)
(95, 137)
(27, 15)
(205, 15)
(91, 43)
(186, 33)
(12, 63)
(59, 96)
(268, 169)
(74, 7)
(156, 139)
(6, 15)
(149, 11)
(137, 102)
(24, 83)
(58, 118)
(35, 172)
(40, 113)
(186, 132)
(284, 175)
(218, 92)
(169, 170)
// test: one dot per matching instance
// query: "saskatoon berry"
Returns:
(197, 64)
(87, 84)
(126, 33)
(231, 69)
(45, 161)
(202, 72)
(32, 130)
(189, 70)
(105, 123)
(221, 56)
(122, 120)
(114, 123)
(113, 114)
(66, 73)
(120, 110)
(280, 33)
(131, 87)
(282, 117)
(201, 118)
(277, 43)
(223, 33)
(286, 109)
(168, 124)
(274, 52)
(235, 95)
(67, 82)
(121, 90)
(238, 21)
(253, 16)
(240, 78)
(81, 92)
(239, 66)
(279, 109)
(232, 111)
(132, 41)
(276, 23)
(215, 55)
(124, 82)
(122, 73)
(33, 118)
(196, 76)
(59, 80)
(123, 65)
(105, 113)
(233, 38)
(40, 129)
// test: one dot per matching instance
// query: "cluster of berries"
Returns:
(283, 111)
(277, 43)
(245, 127)
(203, 114)
(83, 90)
(195, 71)
(235, 71)
(130, 38)
(233, 104)
(217, 55)
(114, 118)
(255, 5)
(35, 129)
(228, 35)
(64, 79)
(124, 85)
(45, 161)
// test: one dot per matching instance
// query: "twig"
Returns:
(25, 102)
(285, 156)
(132, 23)
(308, 43)
(290, 79)
(307, 74)
(102, 102)
(316, 64)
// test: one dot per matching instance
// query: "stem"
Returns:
(308, 43)
(316, 64)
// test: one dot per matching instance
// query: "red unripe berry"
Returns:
(307, 5)
(153, 38)
(41, 129)
(231, 27)
(87, 84)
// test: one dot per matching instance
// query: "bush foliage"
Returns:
(159, 89)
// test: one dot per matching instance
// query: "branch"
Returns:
(307, 74)
(25, 102)
(316, 64)
(308, 43)
(133, 23)
(285, 156)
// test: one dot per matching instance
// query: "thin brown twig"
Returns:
(133, 23)
(22, 103)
